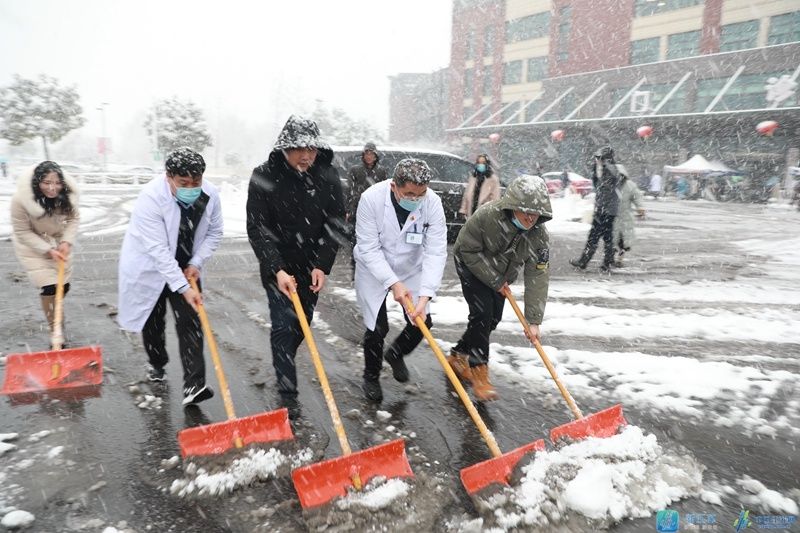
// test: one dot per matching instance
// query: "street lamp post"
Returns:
(103, 145)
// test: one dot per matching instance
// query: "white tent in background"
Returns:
(697, 164)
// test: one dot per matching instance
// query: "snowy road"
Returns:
(698, 337)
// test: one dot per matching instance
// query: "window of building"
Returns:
(468, 112)
(487, 82)
(564, 28)
(488, 40)
(469, 80)
(509, 111)
(530, 27)
(784, 28)
(645, 50)
(532, 110)
(749, 91)
(686, 44)
(470, 44)
(642, 8)
(512, 73)
(657, 92)
(738, 36)
(707, 90)
(537, 68)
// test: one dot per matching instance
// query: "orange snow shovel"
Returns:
(604, 423)
(212, 439)
(499, 468)
(321, 482)
(56, 368)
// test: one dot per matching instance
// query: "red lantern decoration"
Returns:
(557, 135)
(767, 127)
(644, 131)
(494, 137)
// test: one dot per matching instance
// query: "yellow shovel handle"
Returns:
(323, 378)
(546, 360)
(57, 339)
(212, 346)
(476, 418)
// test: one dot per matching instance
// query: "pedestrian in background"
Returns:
(606, 205)
(483, 186)
(360, 178)
(175, 227)
(629, 197)
(44, 219)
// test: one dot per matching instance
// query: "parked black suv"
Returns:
(450, 174)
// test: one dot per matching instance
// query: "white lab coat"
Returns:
(383, 256)
(147, 260)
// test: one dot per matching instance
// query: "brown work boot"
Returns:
(460, 365)
(481, 385)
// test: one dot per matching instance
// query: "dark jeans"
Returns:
(403, 345)
(190, 337)
(602, 228)
(485, 311)
(286, 335)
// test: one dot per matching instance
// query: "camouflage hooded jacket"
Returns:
(493, 249)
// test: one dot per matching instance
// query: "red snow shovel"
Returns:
(499, 468)
(604, 423)
(321, 482)
(212, 439)
(56, 368)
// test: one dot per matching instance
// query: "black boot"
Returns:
(372, 390)
(399, 368)
(578, 263)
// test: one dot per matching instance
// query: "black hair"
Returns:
(185, 162)
(60, 202)
(489, 169)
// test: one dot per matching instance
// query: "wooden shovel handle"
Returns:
(57, 338)
(212, 346)
(323, 378)
(546, 360)
(473, 413)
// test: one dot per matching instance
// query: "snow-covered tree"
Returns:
(38, 108)
(337, 127)
(176, 123)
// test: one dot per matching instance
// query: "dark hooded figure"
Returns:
(359, 179)
(295, 222)
(606, 204)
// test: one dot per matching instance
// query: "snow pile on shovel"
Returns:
(599, 481)
(254, 465)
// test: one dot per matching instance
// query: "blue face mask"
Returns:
(409, 205)
(188, 195)
(480, 167)
(518, 224)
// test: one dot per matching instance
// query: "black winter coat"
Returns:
(295, 222)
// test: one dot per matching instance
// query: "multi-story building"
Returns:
(555, 79)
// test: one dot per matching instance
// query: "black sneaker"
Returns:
(196, 394)
(398, 364)
(577, 264)
(155, 373)
(372, 390)
(605, 269)
(291, 404)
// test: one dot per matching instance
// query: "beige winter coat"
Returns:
(490, 190)
(36, 233)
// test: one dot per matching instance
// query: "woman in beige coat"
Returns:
(482, 186)
(44, 217)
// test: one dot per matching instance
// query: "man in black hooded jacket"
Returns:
(295, 223)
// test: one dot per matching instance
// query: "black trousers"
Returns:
(403, 345)
(485, 311)
(190, 337)
(286, 335)
(602, 228)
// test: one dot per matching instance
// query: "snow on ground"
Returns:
(17, 519)
(600, 481)
(377, 494)
(254, 465)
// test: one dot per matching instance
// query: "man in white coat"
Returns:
(401, 237)
(175, 227)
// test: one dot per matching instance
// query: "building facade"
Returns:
(556, 79)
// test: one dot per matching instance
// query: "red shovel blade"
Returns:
(213, 439)
(319, 483)
(55, 369)
(605, 423)
(496, 470)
